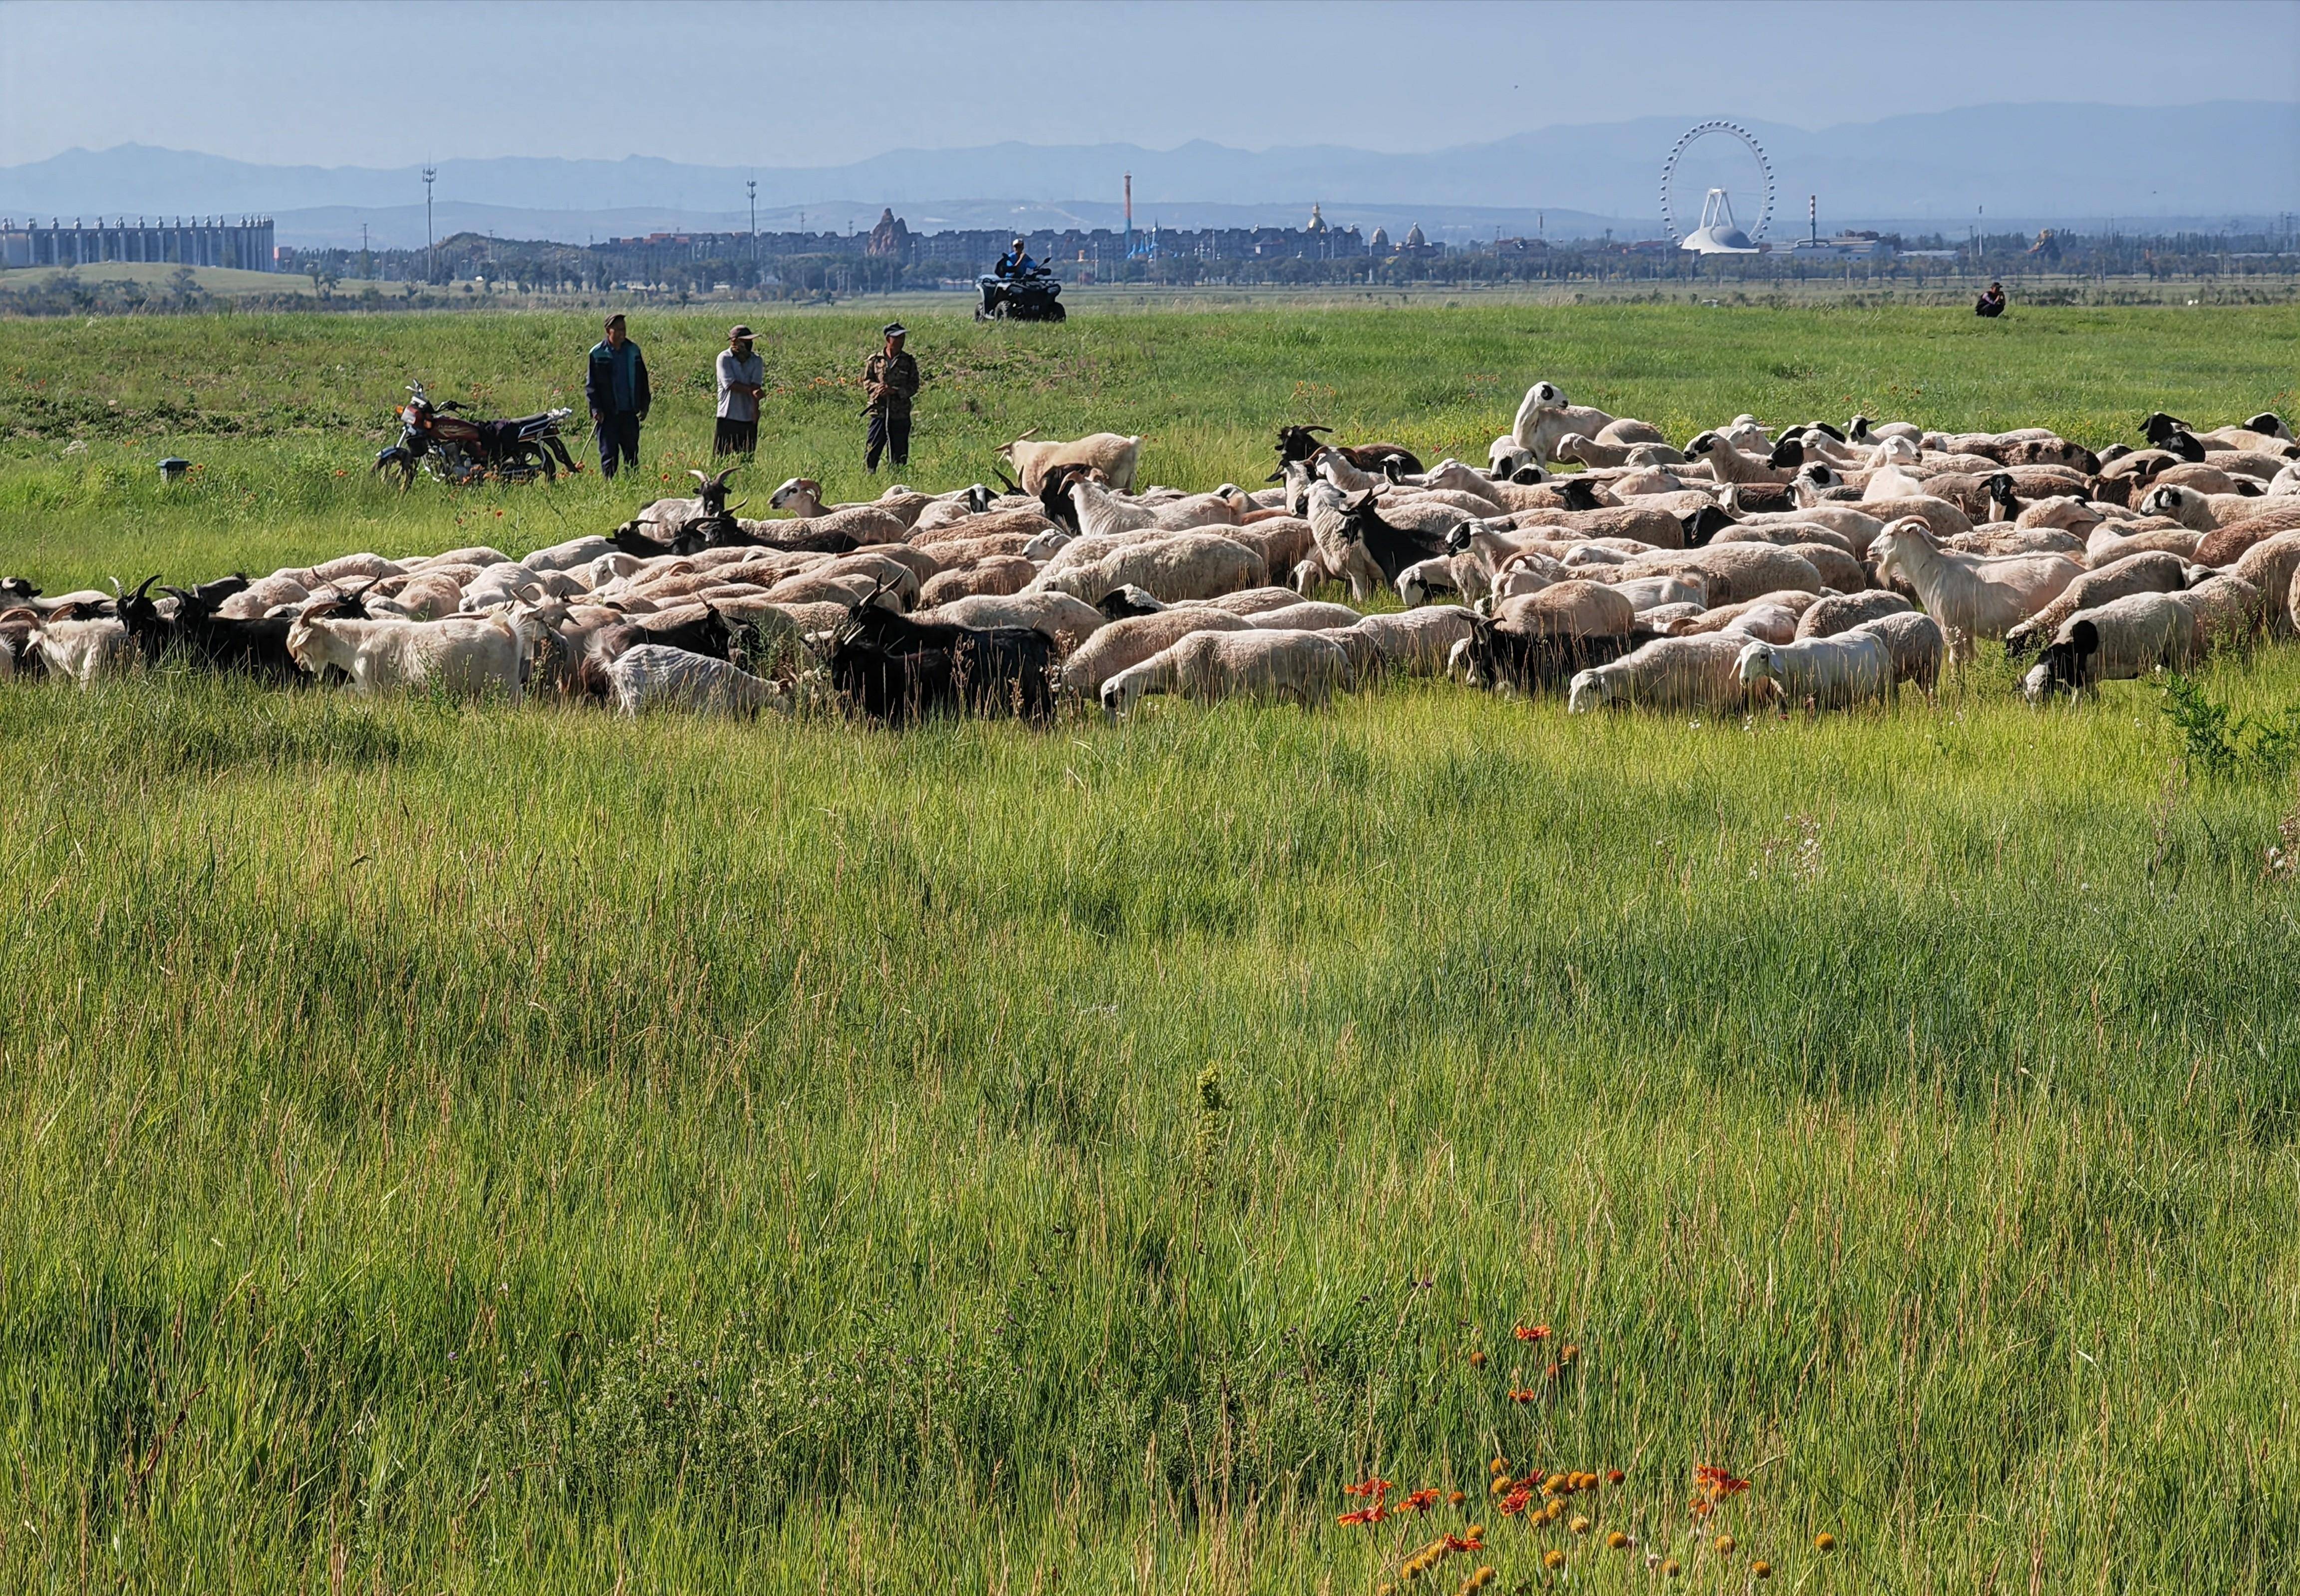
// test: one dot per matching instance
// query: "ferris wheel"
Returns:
(1715, 202)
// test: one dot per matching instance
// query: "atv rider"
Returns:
(1014, 266)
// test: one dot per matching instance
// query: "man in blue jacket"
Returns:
(616, 388)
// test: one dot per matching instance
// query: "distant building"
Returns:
(246, 244)
(1844, 246)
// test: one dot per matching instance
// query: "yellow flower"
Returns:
(1456, 1498)
(1552, 1558)
(1824, 1542)
(1580, 1525)
(1498, 1466)
(1476, 1360)
(1724, 1543)
(1762, 1569)
(1485, 1574)
(1617, 1540)
(1475, 1532)
(1500, 1487)
(1670, 1569)
(1555, 1484)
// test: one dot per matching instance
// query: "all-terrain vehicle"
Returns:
(1037, 298)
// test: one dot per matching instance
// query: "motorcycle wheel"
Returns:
(403, 465)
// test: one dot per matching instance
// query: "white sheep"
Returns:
(1108, 455)
(1827, 672)
(82, 651)
(463, 653)
(2117, 641)
(1686, 673)
(1421, 641)
(652, 676)
(1257, 663)
(1916, 643)
(1063, 617)
(1970, 596)
(1175, 566)
(1545, 415)
(1127, 643)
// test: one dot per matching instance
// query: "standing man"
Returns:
(890, 379)
(742, 379)
(616, 389)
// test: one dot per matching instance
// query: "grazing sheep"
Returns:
(1251, 600)
(2154, 571)
(653, 677)
(1794, 601)
(1844, 611)
(2269, 566)
(1127, 642)
(996, 575)
(1308, 616)
(2124, 638)
(80, 651)
(2227, 611)
(1419, 640)
(1730, 572)
(1827, 672)
(1062, 617)
(1916, 643)
(1106, 454)
(1651, 592)
(463, 653)
(1675, 673)
(2205, 512)
(1256, 663)
(1174, 566)
(1971, 596)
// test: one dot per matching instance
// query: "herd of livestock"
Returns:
(1805, 565)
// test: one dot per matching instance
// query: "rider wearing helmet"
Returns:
(1013, 266)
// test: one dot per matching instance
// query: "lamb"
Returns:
(1844, 611)
(650, 677)
(1916, 644)
(1687, 673)
(1971, 596)
(2118, 641)
(1106, 454)
(1827, 672)
(1302, 666)
(1174, 566)
(2154, 571)
(82, 650)
(1127, 642)
(461, 654)
(1730, 465)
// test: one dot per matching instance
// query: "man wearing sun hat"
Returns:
(742, 379)
(890, 379)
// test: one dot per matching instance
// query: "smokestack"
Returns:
(1129, 203)
(1812, 216)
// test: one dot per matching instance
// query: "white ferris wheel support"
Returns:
(1693, 136)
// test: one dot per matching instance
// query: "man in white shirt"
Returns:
(742, 377)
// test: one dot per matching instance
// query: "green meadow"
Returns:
(457, 1148)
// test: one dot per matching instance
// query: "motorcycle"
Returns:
(458, 449)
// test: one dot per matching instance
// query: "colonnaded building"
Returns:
(197, 241)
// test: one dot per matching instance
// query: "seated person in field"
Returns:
(1991, 304)
(1016, 262)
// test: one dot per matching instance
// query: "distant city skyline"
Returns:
(799, 85)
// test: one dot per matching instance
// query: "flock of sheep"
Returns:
(1805, 565)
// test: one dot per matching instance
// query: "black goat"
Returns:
(1301, 443)
(2172, 435)
(258, 645)
(896, 669)
(1532, 661)
(1703, 523)
(1393, 548)
(1578, 493)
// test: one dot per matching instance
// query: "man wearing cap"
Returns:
(615, 387)
(889, 381)
(742, 379)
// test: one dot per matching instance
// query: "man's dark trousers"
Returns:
(890, 433)
(619, 434)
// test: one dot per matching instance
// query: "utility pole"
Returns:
(753, 187)
(430, 247)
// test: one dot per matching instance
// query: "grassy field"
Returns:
(457, 1150)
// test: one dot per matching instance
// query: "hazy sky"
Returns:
(379, 83)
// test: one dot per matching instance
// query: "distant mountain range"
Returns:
(2007, 165)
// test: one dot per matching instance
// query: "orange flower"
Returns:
(1514, 1503)
(1531, 1332)
(1565, 1354)
(1367, 1488)
(1614, 1476)
(1420, 1501)
(1372, 1514)
(1552, 1372)
(1456, 1498)
(1476, 1360)
(1519, 1394)
(1702, 1507)
(1720, 1482)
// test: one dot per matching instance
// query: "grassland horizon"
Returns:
(458, 1149)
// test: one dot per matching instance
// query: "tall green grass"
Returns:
(453, 1149)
